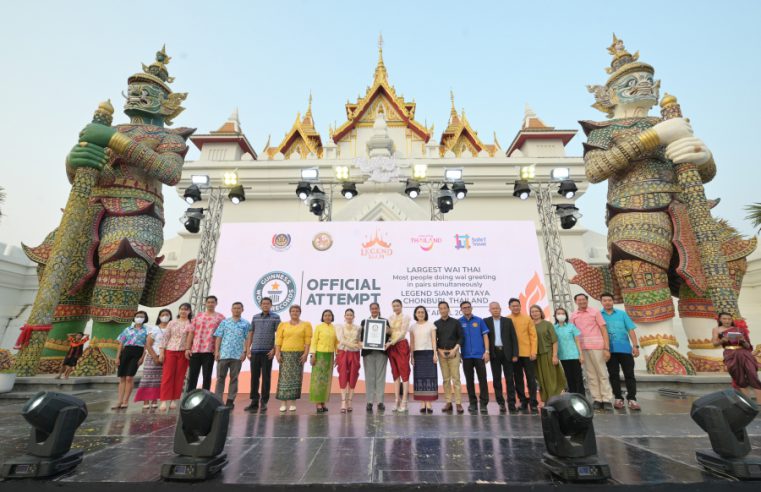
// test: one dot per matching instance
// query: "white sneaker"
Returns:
(282, 408)
(292, 408)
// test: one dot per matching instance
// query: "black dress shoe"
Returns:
(522, 407)
(230, 404)
(369, 408)
(597, 405)
(512, 409)
(502, 408)
(263, 408)
(381, 407)
(253, 407)
(430, 410)
(472, 409)
(484, 410)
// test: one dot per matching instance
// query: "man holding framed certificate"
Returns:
(374, 333)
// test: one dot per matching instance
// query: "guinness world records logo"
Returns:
(278, 286)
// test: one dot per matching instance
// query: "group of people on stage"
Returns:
(532, 355)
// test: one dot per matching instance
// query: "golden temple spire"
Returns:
(380, 69)
(453, 112)
(309, 106)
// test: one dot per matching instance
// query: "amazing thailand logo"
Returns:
(426, 242)
(278, 286)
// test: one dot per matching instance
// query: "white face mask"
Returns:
(139, 320)
(561, 318)
(164, 319)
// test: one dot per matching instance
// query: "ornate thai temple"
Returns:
(379, 146)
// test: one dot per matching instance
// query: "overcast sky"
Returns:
(60, 59)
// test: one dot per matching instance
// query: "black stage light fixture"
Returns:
(199, 438)
(521, 189)
(459, 189)
(54, 418)
(317, 201)
(349, 190)
(568, 214)
(569, 436)
(724, 416)
(412, 189)
(192, 194)
(237, 194)
(303, 190)
(445, 200)
(567, 188)
(192, 220)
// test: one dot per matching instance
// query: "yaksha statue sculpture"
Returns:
(662, 240)
(101, 262)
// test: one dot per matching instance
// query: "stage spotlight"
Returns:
(341, 172)
(199, 438)
(54, 418)
(521, 189)
(528, 172)
(568, 214)
(237, 194)
(192, 220)
(317, 201)
(567, 188)
(192, 194)
(349, 190)
(569, 436)
(412, 189)
(230, 178)
(453, 174)
(445, 200)
(200, 179)
(560, 173)
(459, 189)
(310, 174)
(303, 190)
(419, 171)
(724, 416)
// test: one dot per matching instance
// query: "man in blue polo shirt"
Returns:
(623, 349)
(475, 355)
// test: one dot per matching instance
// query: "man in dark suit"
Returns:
(503, 344)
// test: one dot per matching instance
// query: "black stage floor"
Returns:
(654, 448)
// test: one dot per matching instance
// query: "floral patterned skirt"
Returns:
(322, 377)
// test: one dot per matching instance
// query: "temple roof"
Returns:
(398, 112)
(534, 128)
(459, 136)
(302, 137)
(230, 131)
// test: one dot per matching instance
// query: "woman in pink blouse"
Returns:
(172, 356)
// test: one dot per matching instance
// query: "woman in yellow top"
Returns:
(292, 340)
(321, 356)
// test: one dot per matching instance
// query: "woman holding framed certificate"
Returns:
(739, 356)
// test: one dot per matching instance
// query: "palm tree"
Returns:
(754, 214)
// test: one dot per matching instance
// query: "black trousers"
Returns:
(468, 365)
(261, 365)
(625, 362)
(503, 362)
(198, 362)
(525, 367)
(572, 369)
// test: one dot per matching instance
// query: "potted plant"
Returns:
(7, 379)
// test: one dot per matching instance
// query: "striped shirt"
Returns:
(264, 327)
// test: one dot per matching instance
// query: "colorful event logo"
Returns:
(281, 242)
(466, 241)
(278, 286)
(322, 241)
(426, 241)
(376, 248)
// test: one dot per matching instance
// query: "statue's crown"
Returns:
(624, 62)
(156, 73)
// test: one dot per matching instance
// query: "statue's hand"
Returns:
(688, 149)
(97, 134)
(87, 155)
(671, 130)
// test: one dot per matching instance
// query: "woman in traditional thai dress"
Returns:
(569, 351)
(321, 356)
(150, 384)
(347, 359)
(130, 354)
(739, 356)
(172, 357)
(292, 340)
(549, 372)
(426, 377)
(398, 350)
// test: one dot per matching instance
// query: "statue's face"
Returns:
(145, 98)
(636, 88)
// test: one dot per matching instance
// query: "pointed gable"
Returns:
(459, 137)
(302, 139)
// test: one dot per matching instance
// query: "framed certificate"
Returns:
(374, 335)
